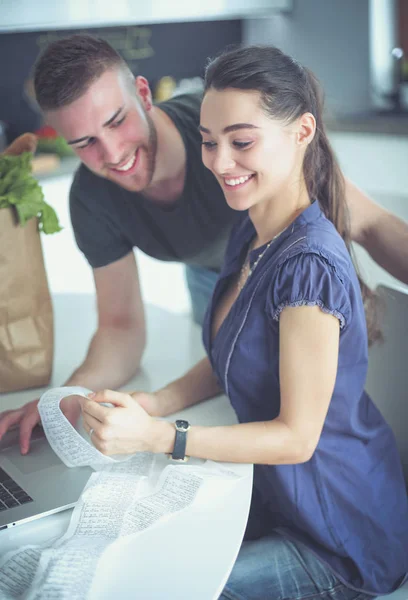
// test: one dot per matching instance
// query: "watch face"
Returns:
(183, 425)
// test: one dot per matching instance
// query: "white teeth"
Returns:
(237, 181)
(128, 165)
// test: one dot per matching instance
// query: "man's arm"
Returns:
(382, 234)
(115, 351)
(116, 348)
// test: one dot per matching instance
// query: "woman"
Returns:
(286, 338)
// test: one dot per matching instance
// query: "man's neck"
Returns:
(166, 192)
(170, 170)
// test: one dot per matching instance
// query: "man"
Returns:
(142, 184)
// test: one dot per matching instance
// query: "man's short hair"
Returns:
(67, 67)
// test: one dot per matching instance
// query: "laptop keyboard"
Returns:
(11, 494)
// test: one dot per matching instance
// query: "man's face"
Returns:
(111, 131)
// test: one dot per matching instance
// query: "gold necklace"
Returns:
(246, 270)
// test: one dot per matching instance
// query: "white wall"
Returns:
(377, 164)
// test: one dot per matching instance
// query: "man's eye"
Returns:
(117, 123)
(209, 145)
(90, 142)
(241, 144)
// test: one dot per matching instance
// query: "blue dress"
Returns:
(348, 503)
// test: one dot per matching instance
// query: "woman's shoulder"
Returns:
(314, 267)
(317, 238)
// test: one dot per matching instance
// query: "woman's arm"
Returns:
(309, 341)
(198, 384)
(382, 234)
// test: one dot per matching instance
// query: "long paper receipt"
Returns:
(122, 498)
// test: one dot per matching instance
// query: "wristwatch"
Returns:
(179, 450)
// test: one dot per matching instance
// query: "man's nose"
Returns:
(111, 152)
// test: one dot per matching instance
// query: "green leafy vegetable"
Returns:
(20, 189)
(56, 145)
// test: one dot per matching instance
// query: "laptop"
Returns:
(37, 484)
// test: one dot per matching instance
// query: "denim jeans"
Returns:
(275, 568)
(201, 283)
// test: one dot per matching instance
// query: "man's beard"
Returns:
(151, 149)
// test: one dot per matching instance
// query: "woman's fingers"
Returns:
(113, 397)
(90, 422)
(91, 408)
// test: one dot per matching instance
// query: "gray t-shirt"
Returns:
(109, 221)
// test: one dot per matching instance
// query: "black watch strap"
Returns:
(179, 450)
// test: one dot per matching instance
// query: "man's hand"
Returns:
(27, 417)
(149, 402)
(124, 429)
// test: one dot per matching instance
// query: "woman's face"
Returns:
(254, 157)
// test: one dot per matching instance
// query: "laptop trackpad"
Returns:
(41, 456)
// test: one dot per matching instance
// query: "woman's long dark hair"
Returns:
(287, 91)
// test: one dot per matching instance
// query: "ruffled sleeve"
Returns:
(310, 279)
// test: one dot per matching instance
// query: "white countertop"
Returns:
(198, 556)
(174, 345)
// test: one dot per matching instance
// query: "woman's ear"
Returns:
(144, 92)
(306, 129)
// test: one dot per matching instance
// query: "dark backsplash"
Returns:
(176, 49)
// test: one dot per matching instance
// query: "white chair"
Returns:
(387, 380)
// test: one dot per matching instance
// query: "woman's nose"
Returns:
(223, 161)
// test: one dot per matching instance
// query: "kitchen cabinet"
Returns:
(26, 15)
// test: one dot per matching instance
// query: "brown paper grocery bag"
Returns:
(26, 317)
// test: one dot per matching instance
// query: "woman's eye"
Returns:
(241, 144)
(209, 145)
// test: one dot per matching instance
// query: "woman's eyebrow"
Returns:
(234, 127)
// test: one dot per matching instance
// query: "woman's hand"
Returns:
(127, 427)
(150, 403)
